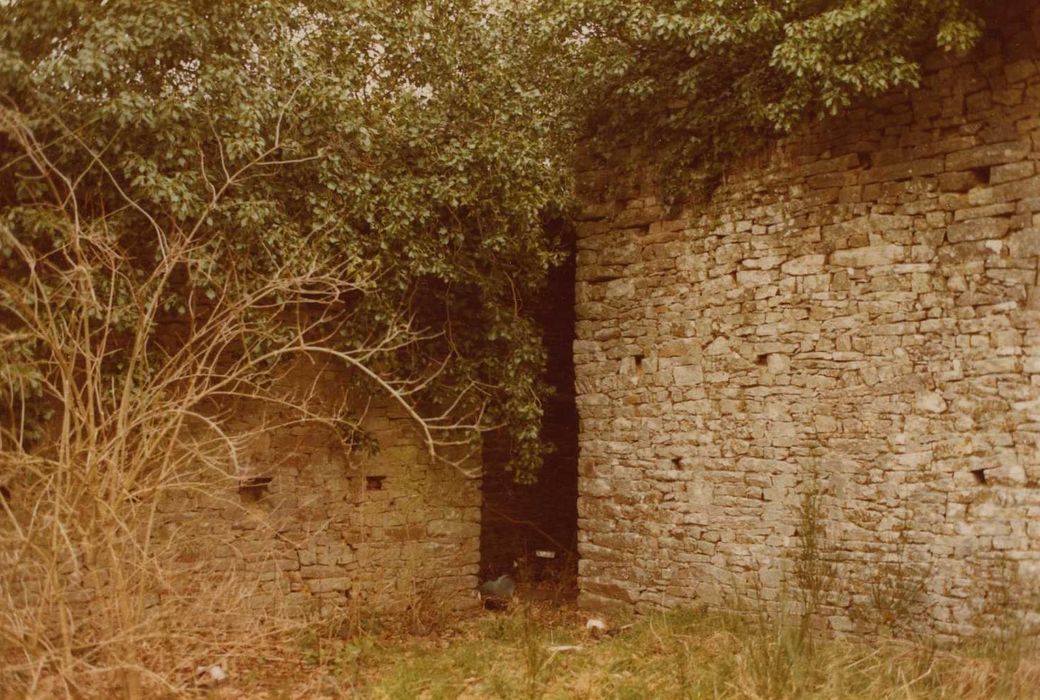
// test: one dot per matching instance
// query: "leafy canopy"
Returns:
(409, 137)
(426, 140)
(699, 82)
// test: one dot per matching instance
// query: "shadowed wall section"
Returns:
(310, 525)
(519, 519)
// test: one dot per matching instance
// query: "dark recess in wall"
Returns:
(518, 520)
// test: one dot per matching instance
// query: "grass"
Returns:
(682, 654)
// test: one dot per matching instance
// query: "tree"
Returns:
(700, 82)
(192, 193)
(415, 137)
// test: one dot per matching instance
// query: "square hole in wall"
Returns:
(251, 490)
(982, 175)
(980, 476)
(374, 483)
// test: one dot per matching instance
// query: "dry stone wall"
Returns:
(312, 525)
(845, 338)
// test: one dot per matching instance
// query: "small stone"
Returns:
(719, 346)
(620, 288)
(688, 376)
(211, 675)
(1019, 71)
(1024, 243)
(868, 256)
(767, 262)
(1010, 172)
(778, 363)
(977, 229)
(931, 401)
(990, 154)
(754, 278)
(805, 265)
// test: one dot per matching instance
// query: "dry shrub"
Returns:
(103, 587)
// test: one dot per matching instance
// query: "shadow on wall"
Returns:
(523, 523)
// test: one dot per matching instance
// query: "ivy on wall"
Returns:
(407, 142)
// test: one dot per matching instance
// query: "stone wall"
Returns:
(849, 329)
(310, 524)
(301, 523)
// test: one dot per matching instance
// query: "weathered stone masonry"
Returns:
(309, 526)
(313, 526)
(856, 314)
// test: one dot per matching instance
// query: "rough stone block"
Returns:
(990, 154)
(977, 229)
(868, 256)
(931, 401)
(688, 376)
(1024, 243)
(1011, 171)
(804, 265)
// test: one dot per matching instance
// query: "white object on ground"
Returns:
(501, 588)
(213, 674)
(565, 647)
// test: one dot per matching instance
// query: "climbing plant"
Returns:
(412, 141)
(424, 140)
(197, 196)
(699, 82)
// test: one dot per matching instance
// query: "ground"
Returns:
(542, 650)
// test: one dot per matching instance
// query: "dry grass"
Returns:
(682, 654)
(115, 405)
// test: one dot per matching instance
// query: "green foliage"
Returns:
(699, 82)
(408, 142)
(420, 144)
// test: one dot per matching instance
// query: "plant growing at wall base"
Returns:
(812, 571)
(896, 589)
(99, 590)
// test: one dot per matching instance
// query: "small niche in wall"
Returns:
(980, 476)
(677, 462)
(374, 483)
(251, 490)
(982, 174)
(639, 362)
